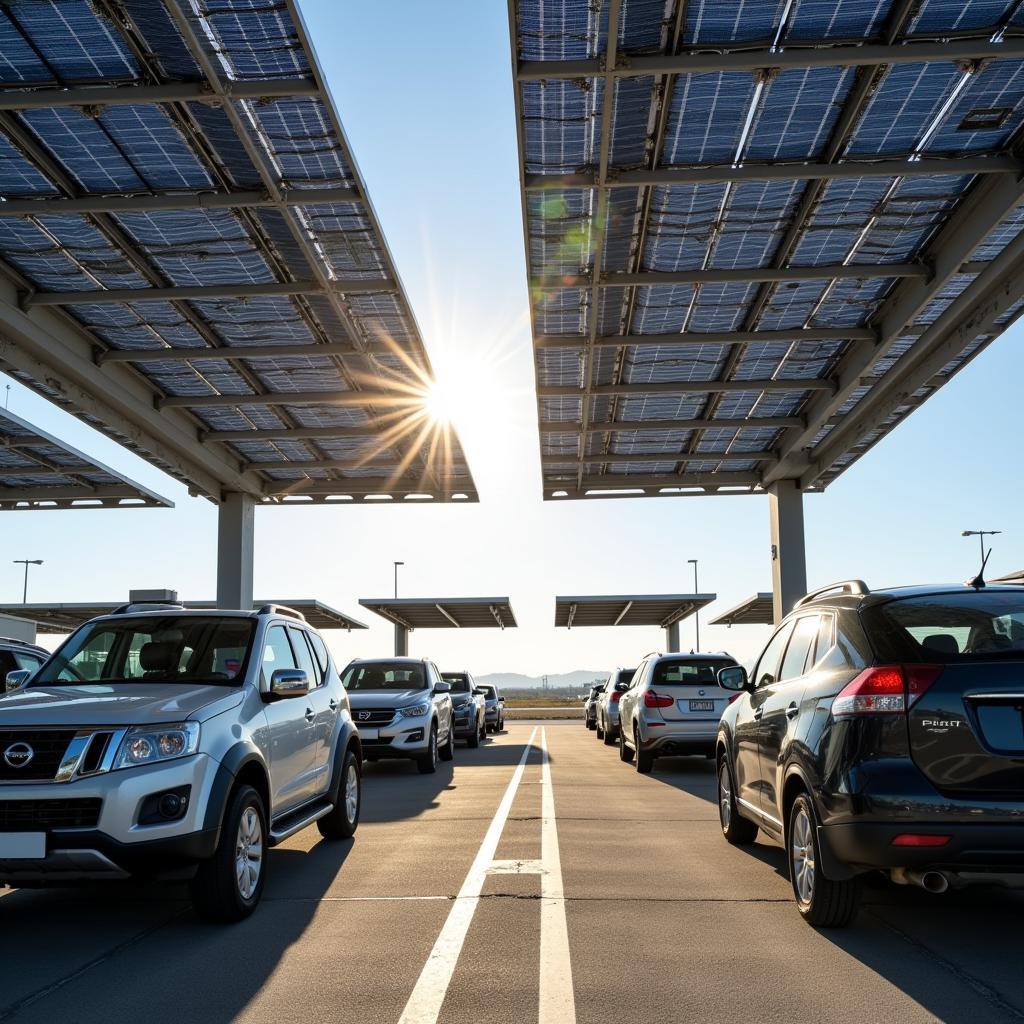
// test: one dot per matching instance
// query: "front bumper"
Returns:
(401, 738)
(491, 714)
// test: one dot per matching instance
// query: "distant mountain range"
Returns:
(516, 681)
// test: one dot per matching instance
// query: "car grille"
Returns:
(377, 716)
(48, 747)
(39, 815)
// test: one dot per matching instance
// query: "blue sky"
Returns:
(427, 104)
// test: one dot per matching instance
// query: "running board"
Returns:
(292, 824)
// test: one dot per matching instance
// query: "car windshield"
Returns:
(948, 628)
(157, 649)
(692, 672)
(385, 675)
(489, 692)
(458, 681)
(625, 675)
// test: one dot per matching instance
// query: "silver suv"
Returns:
(608, 704)
(469, 707)
(403, 709)
(159, 742)
(672, 707)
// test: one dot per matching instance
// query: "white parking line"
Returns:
(557, 1002)
(424, 1004)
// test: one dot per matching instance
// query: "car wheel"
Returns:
(500, 727)
(342, 822)
(427, 762)
(228, 886)
(483, 731)
(447, 752)
(473, 739)
(610, 736)
(625, 754)
(599, 729)
(738, 831)
(644, 758)
(822, 902)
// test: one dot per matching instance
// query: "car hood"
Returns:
(124, 704)
(386, 698)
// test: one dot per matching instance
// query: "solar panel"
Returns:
(444, 612)
(759, 234)
(191, 260)
(38, 471)
(628, 610)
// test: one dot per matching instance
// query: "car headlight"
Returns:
(145, 744)
(413, 710)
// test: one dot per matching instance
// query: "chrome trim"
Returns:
(116, 739)
(290, 830)
(757, 810)
(72, 756)
(994, 696)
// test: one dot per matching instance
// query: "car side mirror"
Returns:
(442, 688)
(288, 682)
(621, 687)
(17, 679)
(501, 700)
(733, 678)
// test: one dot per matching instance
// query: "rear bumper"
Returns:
(668, 740)
(861, 846)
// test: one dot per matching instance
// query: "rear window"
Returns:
(385, 675)
(946, 628)
(458, 681)
(693, 672)
(625, 675)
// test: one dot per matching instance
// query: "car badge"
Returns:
(363, 716)
(700, 693)
(19, 755)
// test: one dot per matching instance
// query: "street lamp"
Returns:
(26, 562)
(397, 564)
(696, 590)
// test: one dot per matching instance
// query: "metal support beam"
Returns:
(697, 175)
(401, 640)
(235, 551)
(640, 460)
(710, 59)
(672, 638)
(623, 613)
(608, 481)
(172, 92)
(692, 339)
(225, 353)
(682, 387)
(343, 398)
(642, 426)
(448, 615)
(372, 429)
(789, 559)
(173, 201)
(200, 293)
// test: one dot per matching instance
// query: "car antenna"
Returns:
(979, 581)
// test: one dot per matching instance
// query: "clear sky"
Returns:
(427, 104)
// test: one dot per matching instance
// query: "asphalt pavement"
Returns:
(534, 879)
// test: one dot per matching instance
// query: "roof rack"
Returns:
(281, 609)
(858, 587)
(147, 606)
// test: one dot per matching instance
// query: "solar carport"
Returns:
(409, 613)
(189, 262)
(39, 471)
(760, 234)
(664, 610)
(756, 610)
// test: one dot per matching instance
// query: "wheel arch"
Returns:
(243, 764)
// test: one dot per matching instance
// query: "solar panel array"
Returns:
(38, 471)
(759, 232)
(174, 176)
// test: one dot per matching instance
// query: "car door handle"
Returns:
(758, 712)
(792, 711)
(310, 715)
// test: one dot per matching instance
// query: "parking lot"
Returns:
(437, 912)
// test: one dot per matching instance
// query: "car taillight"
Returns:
(657, 700)
(615, 697)
(919, 839)
(884, 689)
(735, 696)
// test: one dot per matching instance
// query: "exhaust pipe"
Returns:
(931, 881)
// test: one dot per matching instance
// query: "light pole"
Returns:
(397, 564)
(26, 562)
(696, 590)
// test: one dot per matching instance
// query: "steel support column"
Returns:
(672, 638)
(789, 560)
(401, 640)
(235, 547)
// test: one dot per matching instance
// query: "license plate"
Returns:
(702, 705)
(367, 732)
(22, 845)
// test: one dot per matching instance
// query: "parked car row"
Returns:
(163, 743)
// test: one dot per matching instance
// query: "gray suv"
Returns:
(158, 742)
(469, 707)
(403, 709)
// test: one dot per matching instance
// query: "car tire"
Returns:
(609, 736)
(599, 729)
(483, 731)
(625, 754)
(821, 901)
(473, 739)
(644, 758)
(221, 891)
(426, 763)
(447, 752)
(738, 831)
(343, 820)
(500, 727)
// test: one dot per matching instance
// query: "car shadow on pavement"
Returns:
(693, 775)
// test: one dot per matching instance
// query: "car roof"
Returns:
(23, 645)
(884, 594)
(400, 658)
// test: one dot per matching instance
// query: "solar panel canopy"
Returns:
(39, 471)
(756, 610)
(444, 612)
(625, 610)
(759, 232)
(189, 259)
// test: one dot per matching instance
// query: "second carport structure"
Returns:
(665, 610)
(409, 613)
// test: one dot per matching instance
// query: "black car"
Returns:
(882, 731)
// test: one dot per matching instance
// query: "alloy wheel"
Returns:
(724, 796)
(352, 792)
(801, 852)
(248, 853)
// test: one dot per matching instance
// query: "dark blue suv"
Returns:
(883, 731)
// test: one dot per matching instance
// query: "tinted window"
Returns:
(385, 675)
(458, 681)
(489, 692)
(277, 653)
(804, 634)
(304, 656)
(944, 628)
(768, 666)
(693, 672)
(7, 664)
(320, 650)
(29, 661)
(625, 675)
(823, 641)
